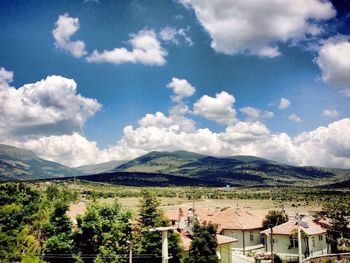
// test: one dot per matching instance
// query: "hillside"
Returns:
(234, 170)
(98, 168)
(20, 164)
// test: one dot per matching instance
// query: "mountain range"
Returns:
(171, 168)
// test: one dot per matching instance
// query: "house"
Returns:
(183, 219)
(224, 249)
(285, 239)
(244, 225)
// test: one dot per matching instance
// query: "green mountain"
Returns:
(20, 164)
(234, 170)
(98, 168)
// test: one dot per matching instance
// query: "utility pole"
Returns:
(271, 243)
(130, 253)
(164, 231)
(299, 242)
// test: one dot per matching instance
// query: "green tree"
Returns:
(203, 246)
(105, 231)
(18, 209)
(336, 218)
(274, 218)
(151, 217)
(58, 233)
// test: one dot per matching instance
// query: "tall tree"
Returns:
(274, 218)
(150, 217)
(58, 233)
(336, 218)
(203, 246)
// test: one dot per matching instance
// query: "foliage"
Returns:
(337, 220)
(203, 246)
(19, 205)
(274, 218)
(104, 230)
(150, 217)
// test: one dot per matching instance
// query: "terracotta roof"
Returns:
(237, 218)
(186, 240)
(289, 227)
(204, 213)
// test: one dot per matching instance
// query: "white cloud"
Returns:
(49, 106)
(334, 62)
(294, 117)
(173, 122)
(176, 36)
(284, 104)
(256, 114)
(146, 49)
(257, 27)
(331, 113)
(181, 88)
(35, 117)
(219, 109)
(245, 131)
(66, 27)
(6, 77)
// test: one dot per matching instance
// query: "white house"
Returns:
(244, 225)
(285, 239)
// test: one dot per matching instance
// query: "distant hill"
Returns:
(173, 168)
(234, 170)
(20, 164)
(98, 168)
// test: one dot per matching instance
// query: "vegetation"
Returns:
(274, 218)
(336, 217)
(203, 246)
(34, 226)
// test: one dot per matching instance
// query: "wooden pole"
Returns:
(299, 243)
(165, 255)
(271, 243)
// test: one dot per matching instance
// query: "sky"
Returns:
(90, 81)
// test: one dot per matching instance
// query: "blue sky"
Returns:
(256, 54)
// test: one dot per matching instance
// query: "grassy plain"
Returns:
(292, 199)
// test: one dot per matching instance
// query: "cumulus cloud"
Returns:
(6, 77)
(334, 62)
(219, 109)
(257, 27)
(331, 113)
(284, 104)
(146, 49)
(181, 89)
(66, 27)
(49, 106)
(294, 117)
(256, 114)
(24, 111)
(176, 36)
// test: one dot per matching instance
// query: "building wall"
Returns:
(238, 234)
(282, 243)
(224, 252)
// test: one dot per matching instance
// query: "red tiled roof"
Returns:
(237, 218)
(204, 213)
(186, 240)
(291, 226)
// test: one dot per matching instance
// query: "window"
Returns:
(293, 242)
(313, 242)
(251, 236)
(233, 235)
(320, 237)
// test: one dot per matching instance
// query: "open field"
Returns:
(293, 200)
